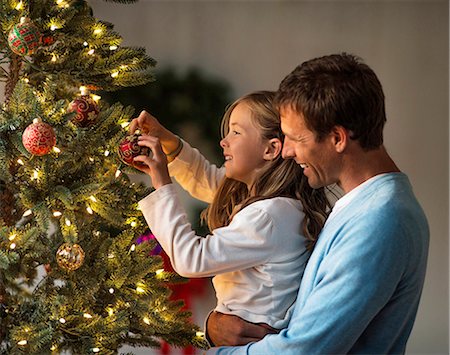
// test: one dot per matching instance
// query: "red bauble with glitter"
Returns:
(86, 111)
(129, 149)
(39, 138)
(24, 38)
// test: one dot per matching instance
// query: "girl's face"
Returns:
(243, 146)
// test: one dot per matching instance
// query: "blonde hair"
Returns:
(278, 178)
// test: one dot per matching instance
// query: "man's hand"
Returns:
(229, 330)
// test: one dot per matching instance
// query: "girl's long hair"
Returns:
(278, 178)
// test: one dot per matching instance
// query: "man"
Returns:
(361, 288)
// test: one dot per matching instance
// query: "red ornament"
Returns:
(39, 138)
(87, 111)
(24, 38)
(129, 149)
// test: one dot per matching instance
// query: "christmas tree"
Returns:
(72, 276)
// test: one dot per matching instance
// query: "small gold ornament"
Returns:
(70, 256)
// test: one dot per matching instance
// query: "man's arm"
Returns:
(227, 330)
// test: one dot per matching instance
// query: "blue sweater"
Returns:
(361, 288)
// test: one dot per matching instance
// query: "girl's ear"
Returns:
(273, 149)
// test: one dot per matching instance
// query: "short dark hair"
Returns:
(337, 90)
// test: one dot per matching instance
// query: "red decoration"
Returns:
(87, 111)
(39, 138)
(24, 38)
(129, 149)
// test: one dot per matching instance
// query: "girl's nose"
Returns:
(223, 143)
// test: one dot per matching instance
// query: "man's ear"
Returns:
(340, 138)
(273, 149)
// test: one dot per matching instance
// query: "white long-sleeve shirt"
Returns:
(258, 259)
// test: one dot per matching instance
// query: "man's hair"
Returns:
(278, 178)
(337, 90)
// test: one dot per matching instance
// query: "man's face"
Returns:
(319, 160)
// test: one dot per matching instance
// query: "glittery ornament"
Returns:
(70, 256)
(86, 111)
(24, 38)
(39, 138)
(129, 149)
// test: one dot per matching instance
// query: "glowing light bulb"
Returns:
(146, 320)
(200, 334)
(115, 74)
(20, 161)
(53, 58)
(89, 210)
(19, 6)
(92, 198)
(12, 246)
(27, 213)
(133, 224)
(85, 44)
(22, 342)
(95, 350)
(124, 124)
(62, 320)
(159, 272)
(87, 315)
(139, 289)
(12, 237)
(106, 153)
(96, 98)
(68, 223)
(111, 290)
(56, 150)
(97, 31)
(112, 48)
(133, 247)
(57, 214)
(91, 52)
(118, 172)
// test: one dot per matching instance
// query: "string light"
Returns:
(111, 256)
(91, 52)
(110, 311)
(125, 124)
(89, 210)
(57, 214)
(87, 315)
(133, 224)
(12, 246)
(133, 247)
(53, 58)
(22, 342)
(68, 223)
(118, 172)
(27, 213)
(96, 98)
(85, 44)
(62, 320)
(20, 161)
(53, 348)
(140, 287)
(112, 48)
(159, 272)
(111, 290)
(56, 150)
(114, 74)
(19, 6)
(97, 31)
(95, 350)
(106, 153)
(35, 175)
(12, 237)
(146, 320)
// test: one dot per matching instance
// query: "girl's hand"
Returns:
(155, 166)
(148, 124)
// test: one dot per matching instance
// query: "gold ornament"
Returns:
(70, 256)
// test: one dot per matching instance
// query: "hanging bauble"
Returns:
(70, 256)
(39, 138)
(129, 149)
(24, 38)
(86, 111)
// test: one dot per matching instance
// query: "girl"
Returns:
(263, 215)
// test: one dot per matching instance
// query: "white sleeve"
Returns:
(247, 241)
(196, 174)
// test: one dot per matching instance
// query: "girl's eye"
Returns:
(235, 132)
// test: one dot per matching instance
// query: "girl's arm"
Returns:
(191, 170)
(246, 242)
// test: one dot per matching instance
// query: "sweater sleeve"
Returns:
(244, 243)
(196, 174)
